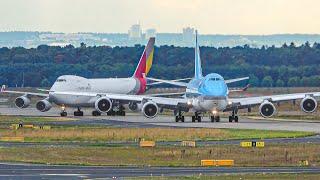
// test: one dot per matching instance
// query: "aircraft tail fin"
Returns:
(197, 65)
(146, 59)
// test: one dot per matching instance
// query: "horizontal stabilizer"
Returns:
(175, 80)
(236, 80)
(182, 84)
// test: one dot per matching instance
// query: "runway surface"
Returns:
(137, 120)
(32, 171)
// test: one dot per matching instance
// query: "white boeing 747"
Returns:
(69, 90)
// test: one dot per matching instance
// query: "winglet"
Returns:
(246, 87)
(3, 88)
(146, 59)
(197, 63)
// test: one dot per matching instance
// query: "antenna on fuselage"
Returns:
(197, 63)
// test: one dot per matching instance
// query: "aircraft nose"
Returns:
(215, 88)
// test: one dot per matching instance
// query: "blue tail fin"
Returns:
(197, 63)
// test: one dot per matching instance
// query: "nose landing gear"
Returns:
(215, 118)
(196, 117)
(63, 111)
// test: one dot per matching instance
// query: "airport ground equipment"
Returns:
(147, 144)
(211, 162)
(248, 144)
(188, 143)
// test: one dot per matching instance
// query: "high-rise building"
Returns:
(188, 35)
(150, 33)
(135, 31)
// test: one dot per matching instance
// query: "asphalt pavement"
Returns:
(34, 171)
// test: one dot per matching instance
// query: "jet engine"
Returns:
(267, 109)
(308, 104)
(22, 102)
(150, 109)
(133, 106)
(43, 105)
(103, 105)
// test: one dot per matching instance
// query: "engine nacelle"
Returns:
(150, 109)
(267, 109)
(43, 105)
(133, 106)
(308, 104)
(103, 105)
(22, 102)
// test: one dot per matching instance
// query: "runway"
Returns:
(32, 171)
(137, 120)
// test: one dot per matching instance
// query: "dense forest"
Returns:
(288, 65)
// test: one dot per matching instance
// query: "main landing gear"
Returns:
(78, 112)
(96, 113)
(179, 117)
(196, 117)
(117, 111)
(215, 118)
(234, 117)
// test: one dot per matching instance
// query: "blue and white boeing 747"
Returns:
(210, 93)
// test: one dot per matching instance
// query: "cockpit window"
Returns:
(61, 80)
(215, 79)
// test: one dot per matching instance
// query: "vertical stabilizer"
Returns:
(197, 63)
(146, 59)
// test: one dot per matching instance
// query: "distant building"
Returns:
(150, 33)
(188, 35)
(135, 32)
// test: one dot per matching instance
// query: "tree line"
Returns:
(286, 66)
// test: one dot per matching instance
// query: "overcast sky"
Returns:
(209, 16)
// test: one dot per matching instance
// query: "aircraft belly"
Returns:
(72, 100)
(209, 105)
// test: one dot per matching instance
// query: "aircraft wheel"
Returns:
(199, 118)
(217, 118)
(212, 118)
(230, 119)
(177, 118)
(236, 119)
(182, 118)
(111, 113)
(78, 113)
(63, 114)
(193, 119)
(96, 113)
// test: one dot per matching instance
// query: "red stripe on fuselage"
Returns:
(143, 85)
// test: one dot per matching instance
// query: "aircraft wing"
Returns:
(236, 80)
(3, 90)
(248, 101)
(240, 90)
(169, 103)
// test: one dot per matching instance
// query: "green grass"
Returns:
(103, 134)
(17, 119)
(271, 155)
